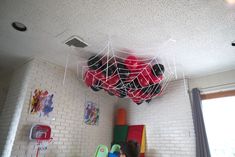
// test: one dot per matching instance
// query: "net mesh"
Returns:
(125, 73)
(43, 144)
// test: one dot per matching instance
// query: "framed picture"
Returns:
(91, 113)
(41, 103)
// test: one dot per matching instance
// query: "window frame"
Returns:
(217, 94)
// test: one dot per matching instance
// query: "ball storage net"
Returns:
(126, 74)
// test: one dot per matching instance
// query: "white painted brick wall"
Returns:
(11, 112)
(3, 94)
(4, 84)
(169, 124)
(71, 136)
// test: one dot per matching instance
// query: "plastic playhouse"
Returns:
(102, 151)
(123, 133)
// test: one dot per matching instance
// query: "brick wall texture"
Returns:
(11, 111)
(71, 137)
(169, 124)
(3, 93)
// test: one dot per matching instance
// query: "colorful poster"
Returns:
(41, 103)
(91, 113)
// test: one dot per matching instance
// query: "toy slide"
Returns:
(115, 151)
(101, 151)
(115, 148)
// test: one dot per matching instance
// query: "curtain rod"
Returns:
(216, 88)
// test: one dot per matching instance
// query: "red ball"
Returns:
(146, 96)
(156, 79)
(147, 71)
(112, 81)
(89, 77)
(141, 65)
(131, 62)
(137, 100)
(99, 75)
(143, 81)
(105, 85)
(137, 93)
(142, 95)
(131, 77)
(130, 94)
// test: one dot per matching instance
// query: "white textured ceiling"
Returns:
(197, 32)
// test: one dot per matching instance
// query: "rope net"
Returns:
(123, 73)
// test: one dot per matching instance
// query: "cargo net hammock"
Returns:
(123, 74)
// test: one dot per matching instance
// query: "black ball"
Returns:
(123, 70)
(110, 93)
(137, 83)
(103, 69)
(144, 90)
(133, 85)
(112, 69)
(122, 92)
(138, 103)
(98, 84)
(148, 101)
(156, 89)
(119, 84)
(147, 90)
(158, 69)
(94, 62)
(122, 95)
(96, 89)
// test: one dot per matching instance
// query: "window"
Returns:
(219, 117)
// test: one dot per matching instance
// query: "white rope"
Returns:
(107, 63)
(66, 66)
(185, 85)
(174, 62)
(77, 69)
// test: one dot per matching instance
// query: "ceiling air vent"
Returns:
(76, 42)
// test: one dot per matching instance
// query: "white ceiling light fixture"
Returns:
(231, 2)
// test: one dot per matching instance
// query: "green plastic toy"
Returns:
(101, 151)
(115, 148)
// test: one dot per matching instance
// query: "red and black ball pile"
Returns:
(129, 77)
